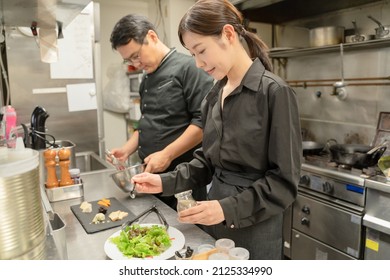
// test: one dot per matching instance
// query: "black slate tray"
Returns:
(85, 219)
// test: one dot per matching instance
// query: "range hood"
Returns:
(282, 11)
(43, 19)
(41, 13)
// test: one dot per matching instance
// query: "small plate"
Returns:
(176, 236)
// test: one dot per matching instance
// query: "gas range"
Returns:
(328, 212)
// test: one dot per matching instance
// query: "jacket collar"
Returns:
(252, 80)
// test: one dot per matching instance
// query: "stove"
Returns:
(336, 182)
(326, 219)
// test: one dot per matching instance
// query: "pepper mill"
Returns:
(50, 164)
(64, 155)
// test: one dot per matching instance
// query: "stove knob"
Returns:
(306, 209)
(327, 187)
(304, 180)
(305, 221)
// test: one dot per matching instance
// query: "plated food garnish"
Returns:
(118, 215)
(137, 241)
(99, 218)
(86, 207)
(104, 202)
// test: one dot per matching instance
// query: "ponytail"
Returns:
(257, 48)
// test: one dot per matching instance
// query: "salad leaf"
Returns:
(138, 241)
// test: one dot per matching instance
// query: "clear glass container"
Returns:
(185, 200)
(223, 245)
(218, 256)
(238, 253)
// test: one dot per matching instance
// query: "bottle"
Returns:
(10, 123)
(3, 141)
(64, 155)
(75, 175)
(185, 200)
(50, 164)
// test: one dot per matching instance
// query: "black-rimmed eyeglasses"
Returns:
(135, 58)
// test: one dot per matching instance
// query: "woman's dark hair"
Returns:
(130, 27)
(208, 17)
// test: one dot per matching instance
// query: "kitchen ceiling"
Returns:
(281, 11)
(25, 12)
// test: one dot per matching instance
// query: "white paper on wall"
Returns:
(75, 59)
(81, 97)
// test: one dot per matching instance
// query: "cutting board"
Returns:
(85, 219)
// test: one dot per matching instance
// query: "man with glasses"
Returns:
(171, 91)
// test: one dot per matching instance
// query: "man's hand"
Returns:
(157, 162)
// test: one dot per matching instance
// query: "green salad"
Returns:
(138, 241)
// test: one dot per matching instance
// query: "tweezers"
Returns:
(146, 213)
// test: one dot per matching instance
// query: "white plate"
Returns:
(176, 236)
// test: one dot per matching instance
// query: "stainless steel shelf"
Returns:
(377, 43)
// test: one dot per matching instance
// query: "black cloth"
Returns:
(171, 98)
(257, 132)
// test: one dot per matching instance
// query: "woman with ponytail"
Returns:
(251, 150)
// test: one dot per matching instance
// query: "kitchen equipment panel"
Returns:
(327, 214)
(320, 250)
(338, 227)
(377, 219)
(337, 189)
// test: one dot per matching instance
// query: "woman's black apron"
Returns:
(263, 240)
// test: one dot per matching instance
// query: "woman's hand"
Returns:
(204, 213)
(147, 183)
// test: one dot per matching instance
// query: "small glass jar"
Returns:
(223, 245)
(185, 200)
(75, 175)
(205, 248)
(238, 253)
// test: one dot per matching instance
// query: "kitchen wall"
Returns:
(351, 120)
(323, 115)
(115, 130)
(53, 86)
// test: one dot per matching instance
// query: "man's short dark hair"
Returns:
(130, 27)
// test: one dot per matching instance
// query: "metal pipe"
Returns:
(305, 85)
(346, 79)
(342, 65)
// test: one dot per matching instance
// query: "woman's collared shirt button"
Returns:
(231, 226)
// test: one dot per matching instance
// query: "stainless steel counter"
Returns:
(377, 219)
(379, 183)
(98, 185)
